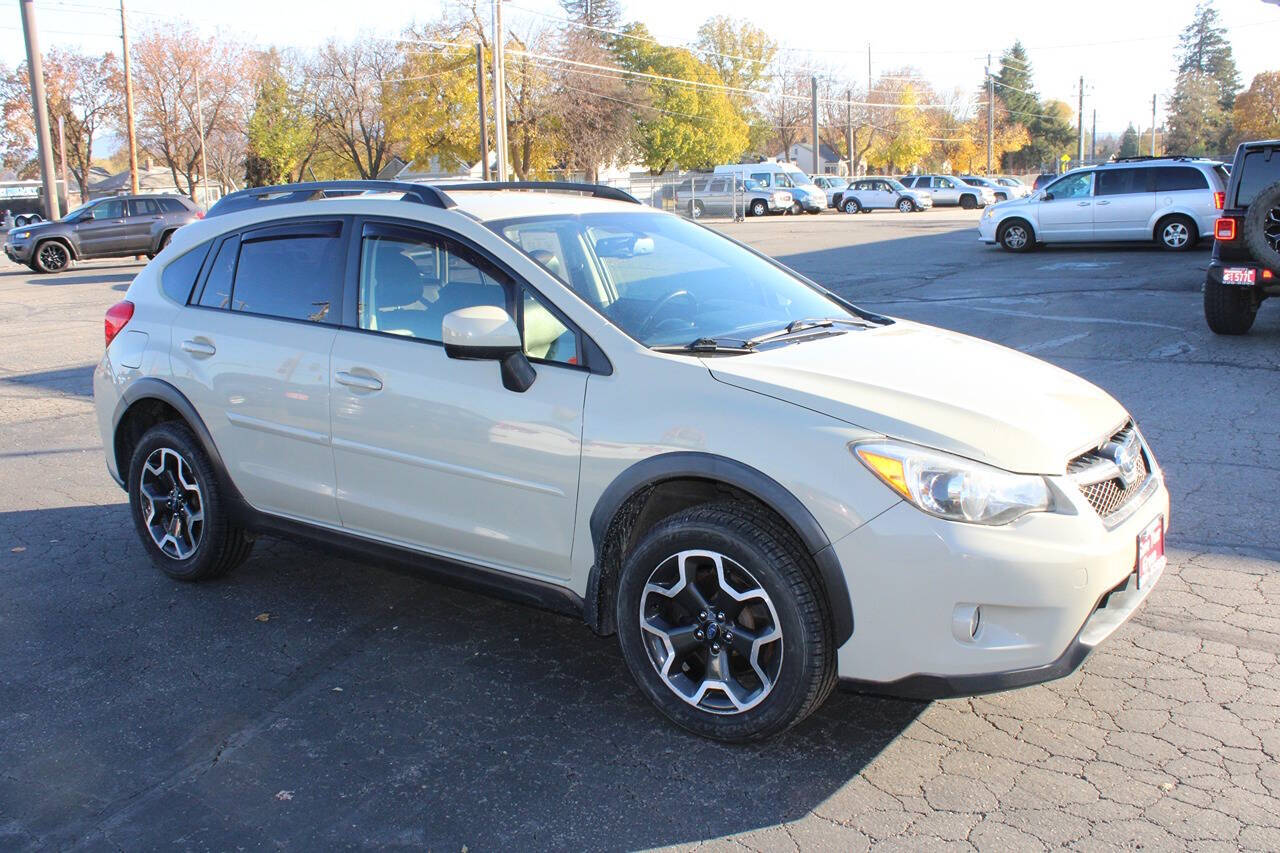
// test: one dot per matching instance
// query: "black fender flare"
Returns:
(771, 493)
(151, 388)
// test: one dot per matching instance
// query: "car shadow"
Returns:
(63, 380)
(87, 278)
(309, 699)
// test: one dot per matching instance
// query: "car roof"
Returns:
(486, 205)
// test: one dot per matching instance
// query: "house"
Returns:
(801, 153)
(153, 179)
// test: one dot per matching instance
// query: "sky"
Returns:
(1125, 53)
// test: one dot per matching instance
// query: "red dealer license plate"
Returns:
(1239, 275)
(1151, 553)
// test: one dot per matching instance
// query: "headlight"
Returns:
(22, 235)
(989, 212)
(951, 487)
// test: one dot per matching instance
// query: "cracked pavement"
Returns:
(372, 708)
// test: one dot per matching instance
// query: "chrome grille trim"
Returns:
(1099, 480)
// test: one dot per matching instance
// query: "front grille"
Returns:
(1109, 496)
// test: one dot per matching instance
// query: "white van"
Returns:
(807, 195)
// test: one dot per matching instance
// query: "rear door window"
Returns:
(1259, 170)
(143, 207)
(171, 205)
(1123, 181)
(1176, 178)
(292, 272)
(217, 284)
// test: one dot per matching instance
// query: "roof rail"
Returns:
(596, 190)
(309, 191)
(1142, 157)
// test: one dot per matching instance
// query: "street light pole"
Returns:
(35, 71)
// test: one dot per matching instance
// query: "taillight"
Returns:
(1225, 229)
(1219, 200)
(1267, 275)
(200, 213)
(118, 316)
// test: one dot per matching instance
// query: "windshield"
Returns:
(896, 184)
(799, 178)
(665, 281)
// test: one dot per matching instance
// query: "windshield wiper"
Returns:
(708, 345)
(796, 326)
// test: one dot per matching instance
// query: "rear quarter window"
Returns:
(180, 275)
(1176, 178)
(1259, 170)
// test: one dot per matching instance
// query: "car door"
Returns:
(251, 352)
(102, 231)
(1184, 188)
(144, 215)
(882, 196)
(720, 197)
(433, 452)
(1066, 211)
(1123, 204)
(942, 189)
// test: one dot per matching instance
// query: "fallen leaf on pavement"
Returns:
(285, 795)
(262, 617)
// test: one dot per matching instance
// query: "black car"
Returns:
(1245, 267)
(1042, 179)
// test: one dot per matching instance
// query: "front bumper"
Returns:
(1051, 587)
(19, 253)
(987, 228)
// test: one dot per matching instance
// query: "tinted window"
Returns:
(171, 205)
(143, 207)
(1123, 181)
(217, 285)
(180, 275)
(408, 282)
(294, 277)
(1259, 170)
(1173, 178)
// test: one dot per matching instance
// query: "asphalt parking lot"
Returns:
(311, 702)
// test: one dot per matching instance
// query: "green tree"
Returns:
(682, 124)
(280, 130)
(1203, 49)
(596, 15)
(909, 143)
(1014, 87)
(1198, 123)
(741, 53)
(1129, 142)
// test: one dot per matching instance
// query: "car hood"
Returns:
(919, 194)
(38, 228)
(939, 389)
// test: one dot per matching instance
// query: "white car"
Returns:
(1013, 187)
(948, 189)
(867, 194)
(571, 399)
(831, 185)
(1171, 200)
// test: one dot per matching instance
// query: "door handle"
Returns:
(356, 380)
(1101, 203)
(1083, 203)
(199, 348)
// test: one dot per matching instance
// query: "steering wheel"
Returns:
(649, 319)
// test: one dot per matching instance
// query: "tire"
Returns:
(768, 570)
(1229, 310)
(796, 208)
(164, 242)
(851, 205)
(906, 205)
(696, 209)
(52, 256)
(1262, 227)
(759, 208)
(1176, 233)
(968, 202)
(168, 455)
(1015, 235)
(1002, 196)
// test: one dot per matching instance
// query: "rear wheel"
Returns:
(696, 209)
(851, 205)
(1016, 236)
(722, 624)
(1229, 310)
(52, 256)
(968, 202)
(179, 509)
(1176, 233)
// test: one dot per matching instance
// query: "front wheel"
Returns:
(52, 256)
(796, 209)
(1176, 234)
(968, 202)
(722, 624)
(759, 208)
(906, 205)
(179, 509)
(1015, 236)
(851, 206)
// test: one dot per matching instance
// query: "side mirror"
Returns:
(487, 333)
(1047, 197)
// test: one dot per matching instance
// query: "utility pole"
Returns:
(1153, 125)
(991, 115)
(484, 128)
(62, 159)
(204, 173)
(499, 92)
(848, 129)
(868, 72)
(813, 125)
(128, 105)
(1093, 138)
(1080, 126)
(35, 71)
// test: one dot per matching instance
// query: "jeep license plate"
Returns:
(1151, 558)
(1239, 275)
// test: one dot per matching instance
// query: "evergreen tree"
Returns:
(1203, 49)
(1198, 124)
(600, 14)
(1129, 142)
(1014, 86)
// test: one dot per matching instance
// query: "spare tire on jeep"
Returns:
(1262, 227)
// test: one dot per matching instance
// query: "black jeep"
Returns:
(1245, 267)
